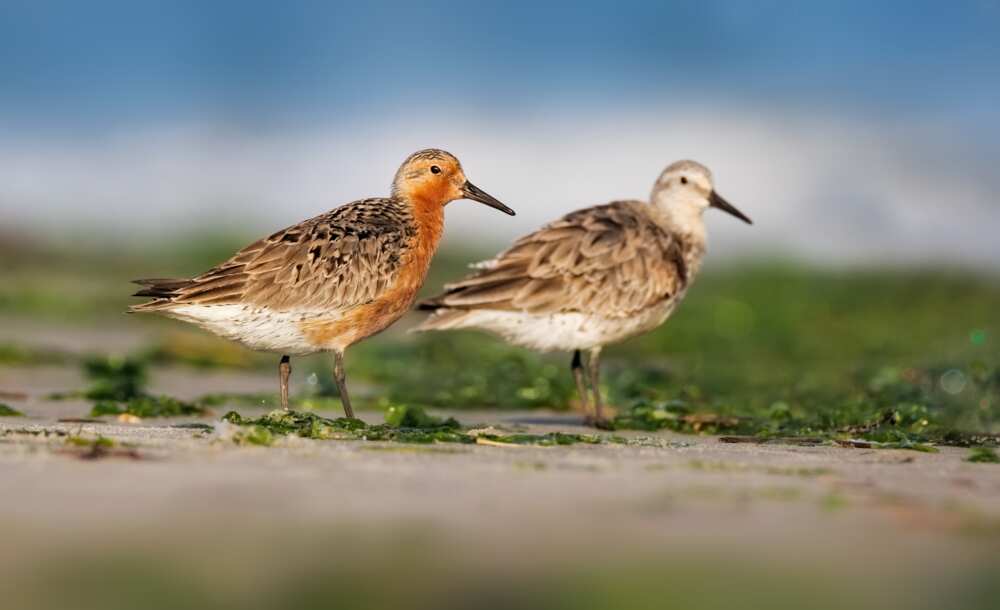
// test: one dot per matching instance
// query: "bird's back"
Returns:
(595, 276)
(321, 267)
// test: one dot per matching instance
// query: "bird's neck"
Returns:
(428, 220)
(428, 212)
(686, 224)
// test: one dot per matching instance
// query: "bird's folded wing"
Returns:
(338, 260)
(610, 260)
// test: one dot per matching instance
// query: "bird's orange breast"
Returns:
(377, 315)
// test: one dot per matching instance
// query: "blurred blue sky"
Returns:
(106, 62)
(105, 79)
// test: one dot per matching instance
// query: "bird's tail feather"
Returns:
(443, 319)
(161, 290)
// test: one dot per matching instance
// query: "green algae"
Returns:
(313, 426)
(983, 455)
(549, 439)
(405, 416)
(148, 406)
(675, 415)
(99, 448)
(117, 386)
(8, 411)
(91, 443)
(255, 435)
(114, 378)
(403, 425)
(895, 409)
(305, 425)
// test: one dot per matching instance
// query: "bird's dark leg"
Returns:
(594, 363)
(341, 379)
(284, 372)
(581, 386)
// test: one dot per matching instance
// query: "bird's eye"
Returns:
(684, 180)
(435, 169)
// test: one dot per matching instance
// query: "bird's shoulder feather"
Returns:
(337, 260)
(610, 260)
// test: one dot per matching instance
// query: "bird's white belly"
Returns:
(565, 331)
(257, 328)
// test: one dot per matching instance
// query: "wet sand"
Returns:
(864, 514)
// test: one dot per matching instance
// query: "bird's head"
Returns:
(685, 189)
(435, 177)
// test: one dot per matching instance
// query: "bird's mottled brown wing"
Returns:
(337, 260)
(610, 260)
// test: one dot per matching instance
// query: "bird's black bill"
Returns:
(473, 192)
(718, 202)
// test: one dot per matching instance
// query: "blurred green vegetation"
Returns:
(79, 280)
(789, 348)
(415, 567)
(983, 455)
(118, 386)
(9, 411)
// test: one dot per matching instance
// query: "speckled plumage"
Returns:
(607, 262)
(594, 277)
(320, 268)
(330, 281)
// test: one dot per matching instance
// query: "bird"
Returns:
(328, 282)
(594, 277)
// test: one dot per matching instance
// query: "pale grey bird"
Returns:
(594, 277)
